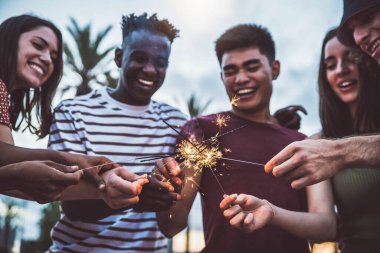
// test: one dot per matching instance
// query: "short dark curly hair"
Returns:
(131, 22)
(246, 35)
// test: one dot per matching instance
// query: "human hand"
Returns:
(306, 162)
(44, 181)
(246, 212)
(122, 187)
(168, 170)
(92, 166)
(156, 196)
(288, 117)
(165, 184)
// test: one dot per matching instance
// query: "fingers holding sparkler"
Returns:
(169, 169)
(157, 195)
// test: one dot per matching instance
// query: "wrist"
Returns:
(348, 155)
(10, 176)
(271, 219)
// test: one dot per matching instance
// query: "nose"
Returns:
(45, 57)
(149, 69)
(241, 77)
(342, 67)
(361, 35)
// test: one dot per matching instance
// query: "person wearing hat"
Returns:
(311, 161)
(360, 26)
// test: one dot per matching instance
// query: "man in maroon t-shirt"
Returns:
(246, 135)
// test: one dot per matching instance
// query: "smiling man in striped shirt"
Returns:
(121, 124)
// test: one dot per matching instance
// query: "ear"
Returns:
(275, 69)
(221, 77)
(118, 57)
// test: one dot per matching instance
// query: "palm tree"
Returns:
(90, 63)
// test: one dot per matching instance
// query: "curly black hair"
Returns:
(131, 22)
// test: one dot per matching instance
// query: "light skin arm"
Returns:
(250, 213)
(311, 161)
(174, 220)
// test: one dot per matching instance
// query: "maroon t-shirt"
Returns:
(254, 142)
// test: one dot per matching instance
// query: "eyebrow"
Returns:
(246, 63)
(46, 44)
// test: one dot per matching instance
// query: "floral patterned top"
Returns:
(4, 105)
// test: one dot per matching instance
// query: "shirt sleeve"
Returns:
(4, 105)
(65, 132)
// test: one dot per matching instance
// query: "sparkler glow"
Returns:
(221, 120)
(234, 101)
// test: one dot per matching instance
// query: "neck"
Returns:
(262, 116)
(124, 97)
(352, 108)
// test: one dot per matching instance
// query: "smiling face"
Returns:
(247, 75)
(143, 62)
(365, 29)
(342, 72)
(37, 52)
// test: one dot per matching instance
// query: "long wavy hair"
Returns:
(335, 116)
(24, 100)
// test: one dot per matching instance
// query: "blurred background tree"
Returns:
(86, 60)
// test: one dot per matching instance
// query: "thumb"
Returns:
(62, 168)
(70, 178)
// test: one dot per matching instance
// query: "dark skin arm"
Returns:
(161, 192)
(42, 181)
(12, 154)
(288, 117)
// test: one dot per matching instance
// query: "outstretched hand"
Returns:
(288, 117)
(246, 212)
(306, 162)
(44, 181)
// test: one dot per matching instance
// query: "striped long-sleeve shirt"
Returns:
(96, 124)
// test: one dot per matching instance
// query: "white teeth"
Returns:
(37, 68)
(146, 82)
(245, 91)
(374, 45)
(345, 84)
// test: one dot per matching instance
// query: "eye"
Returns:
(37, 45)
(331, 66)
(252, 67)
(228, 72)
(140, 58)
(161, 63)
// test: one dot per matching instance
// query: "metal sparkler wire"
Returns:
(185, 138)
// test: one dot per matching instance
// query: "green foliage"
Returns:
(195, 107)
(50, 215)
(85, 59)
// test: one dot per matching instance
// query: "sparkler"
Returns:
(234, 101)
(221, 120)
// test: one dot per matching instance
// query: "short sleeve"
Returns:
(4, 105)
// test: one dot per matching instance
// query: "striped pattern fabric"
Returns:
(96, 124)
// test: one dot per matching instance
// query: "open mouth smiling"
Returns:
(245, 91)
(37, 68)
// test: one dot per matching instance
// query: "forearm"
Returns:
(12, 154)
(311, 226)
(173, 221)
(8, 177)
(360, 151)
(83, 190)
